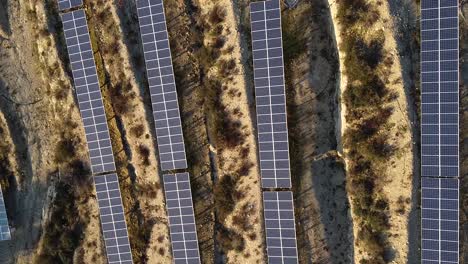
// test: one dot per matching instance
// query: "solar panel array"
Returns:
(439, 83)
(4, 227)
(88, 92)
(439, 224)
(439, 131)
(181, 218)
(270, 94)
(280, 227)
(67, 4)
(162, 86)
(112, 216)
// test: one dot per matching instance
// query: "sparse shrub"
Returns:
(228, 68)
(371, 54)
(63, 232)
(224, 191)
(65, 150)
(80, 172)
(217, 15)
(138, 130)
(144, 152)
(230, 240)
(245, 168)
(244, 218)
(219, 42)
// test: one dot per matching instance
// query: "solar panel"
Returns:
(112, 216)
(88, 92)
(4, 227)
(439, 224)
(270, 94)
(439, 88)
(181, 218)
(162, 86)
(280, 227)
(67, 4)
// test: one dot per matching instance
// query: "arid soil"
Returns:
(322, 206)
(44, 170)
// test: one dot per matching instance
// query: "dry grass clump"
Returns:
(144, 153)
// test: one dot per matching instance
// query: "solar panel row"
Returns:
(439, 131)
(162, 86)
(439, 88)
(439, 222)
(4, 227)
(113, 223)
(91, 106)
(280, 227)
(181, 218)
(270, 94)
(88, 91)
(67, 4)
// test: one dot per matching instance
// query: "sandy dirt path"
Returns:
(35, 117)
(322, 206)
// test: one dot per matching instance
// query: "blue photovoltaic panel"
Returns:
(280, 227)
(181, 218)
(4, 227)
(270, 94)
(67, 4)
(88, 91)
(111, 211)
(439, 88)
(439, 221)
(162, 86)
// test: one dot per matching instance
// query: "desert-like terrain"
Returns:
(352, 90)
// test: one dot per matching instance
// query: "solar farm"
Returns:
(439, 132)
(194, 133)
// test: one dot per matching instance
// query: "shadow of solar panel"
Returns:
(270, 94)
(439, 224)
(88, 91)
(181, 218)
(280, 227)
(111, 211)
(439, 89)
(4, 227)
(67, 4)
(162, 86)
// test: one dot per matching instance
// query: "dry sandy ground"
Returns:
(322, 206)
(228, 160)
(35, 119)
(199, 155)
(400, 167)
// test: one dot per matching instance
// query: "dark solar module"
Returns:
(280, 227)
(111, 211)
(67, 4)
(162, 86)
(88, 91)
(181, 218)
(270, 94)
